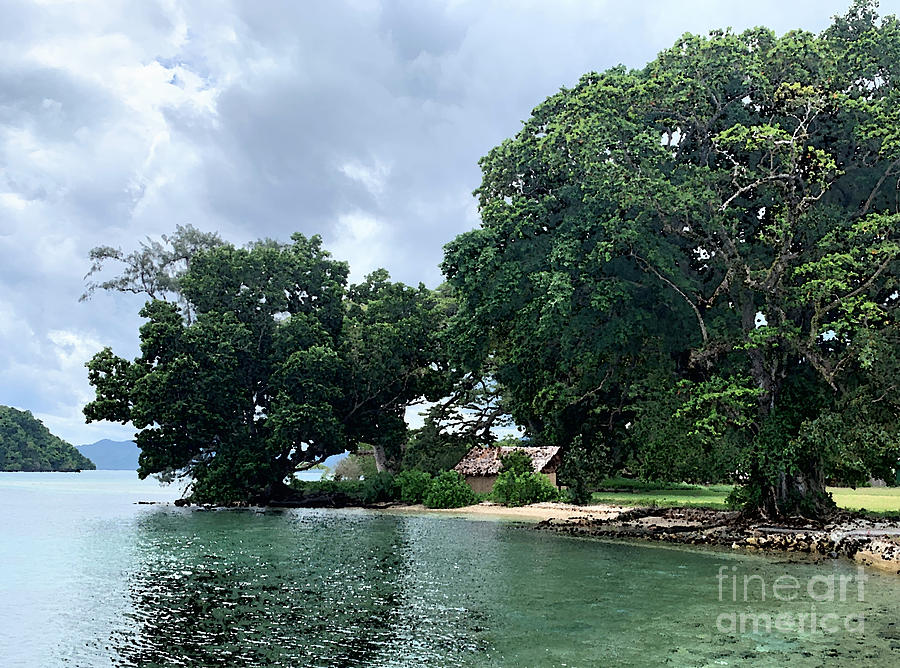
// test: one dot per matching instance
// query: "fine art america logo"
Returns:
(818, 604)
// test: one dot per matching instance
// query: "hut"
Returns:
(481, 466)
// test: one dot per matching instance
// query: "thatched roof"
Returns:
(486, 461)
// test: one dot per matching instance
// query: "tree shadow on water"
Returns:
(245, 591)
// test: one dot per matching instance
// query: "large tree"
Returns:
(279, 366)
(707, 249)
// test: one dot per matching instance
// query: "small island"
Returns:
(27, 445)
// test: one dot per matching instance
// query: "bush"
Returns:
(584, 462)
(516, 462)
(348, 469)
(449, 490)
(512, 489)
(357, 465)
(413, 486)
(379, 488)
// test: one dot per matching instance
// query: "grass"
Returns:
(625, 492)
(873, 499)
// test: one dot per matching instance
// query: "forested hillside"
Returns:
(27, 445)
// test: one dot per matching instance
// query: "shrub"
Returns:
(357, 465)
(585, 462)
(413, 485)
(449, 490)
(513, 489)
(379, 487)
(348, 469)
(516, 462)
(352, 488)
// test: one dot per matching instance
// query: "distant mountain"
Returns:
(27, 445)
(112, 455)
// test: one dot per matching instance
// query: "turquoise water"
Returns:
(89, 578)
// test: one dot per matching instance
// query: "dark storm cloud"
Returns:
(362, 121)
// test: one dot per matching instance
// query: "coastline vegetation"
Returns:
(686, 271)
(517, 485)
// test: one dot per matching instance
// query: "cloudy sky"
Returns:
(359, 120)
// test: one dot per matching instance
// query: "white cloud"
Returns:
(13, 201)
(70, 426)
(373, 177)
(362, 240)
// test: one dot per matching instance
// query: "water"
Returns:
(88, 578)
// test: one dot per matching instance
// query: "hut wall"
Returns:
(481, 484)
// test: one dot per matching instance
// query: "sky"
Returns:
(362, 121)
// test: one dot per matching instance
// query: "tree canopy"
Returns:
(702, 256)
(280, 366)
(27, 445)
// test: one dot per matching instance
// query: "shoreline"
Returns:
(535, 513)
(868, 542)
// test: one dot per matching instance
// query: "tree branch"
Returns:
(665, 280)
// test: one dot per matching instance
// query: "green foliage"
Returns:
(277, 365)
(720, 222)
(432, 451)
(380, 488)
(582, 469)
(449, 490)
(692, 431)
(358, 465)
(518, 484)
(514, 488)
(414, 485)
(156, 267)
(348, 469)
(516, 462)
(353, 489)
(27, 445)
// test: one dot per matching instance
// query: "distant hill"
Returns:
(112, 455)
(27, 445)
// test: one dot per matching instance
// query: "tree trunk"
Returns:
(798, 494)
(382, 461)
(798, 488)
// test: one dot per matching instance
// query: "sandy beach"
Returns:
(537, 512)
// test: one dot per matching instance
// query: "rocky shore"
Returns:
(871, 542)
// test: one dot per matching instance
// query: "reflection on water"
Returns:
(88, 578)
(287, 589)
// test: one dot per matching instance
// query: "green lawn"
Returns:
(876, 499)
(680, 495)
